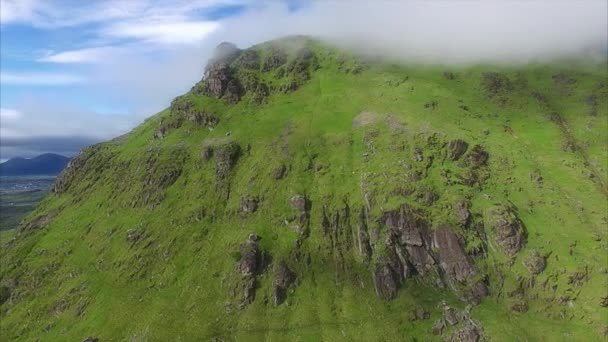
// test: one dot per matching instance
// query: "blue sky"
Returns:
(76, 72)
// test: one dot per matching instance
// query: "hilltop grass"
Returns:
(80, 277)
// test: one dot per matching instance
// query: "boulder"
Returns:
(508, 230)
(456, 148)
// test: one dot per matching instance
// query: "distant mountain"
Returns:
(44, 164)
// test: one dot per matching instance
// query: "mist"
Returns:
(445, 32)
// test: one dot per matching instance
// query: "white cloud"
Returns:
(8, 114)
(89, 55)
(19, 10)
(39, 78)
(163, 30)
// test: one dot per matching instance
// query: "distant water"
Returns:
(12, 184)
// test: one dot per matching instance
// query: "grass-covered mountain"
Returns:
(44, 164)
(299, 192)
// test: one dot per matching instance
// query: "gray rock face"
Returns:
(452, 258)
(456, 148)
(508, 231)
(406, 225)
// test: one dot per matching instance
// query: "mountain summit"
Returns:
(299, 191)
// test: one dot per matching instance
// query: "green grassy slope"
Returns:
(142, 241)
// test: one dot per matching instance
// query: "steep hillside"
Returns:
(299, 192)
(44, 164)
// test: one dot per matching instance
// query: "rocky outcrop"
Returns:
(249, 204)
(279, 172)
(477, 157)
(410, 232)
(299, 202)
(413, 250)
(282, 280)
(301, 221)
(162, 169)
(248, 59)
(508, 230)
(468, 333)
(535, 263)
(275, 57)
(461, 211)
(456, 148)
(219, 80)
(185, 108)
(38, 222)
(226, 154)
(134, 235)
(89, 162)
(386, 281)
(249, 265)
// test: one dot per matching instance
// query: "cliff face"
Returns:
(300, 191)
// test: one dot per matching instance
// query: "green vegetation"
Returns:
(320, 153)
